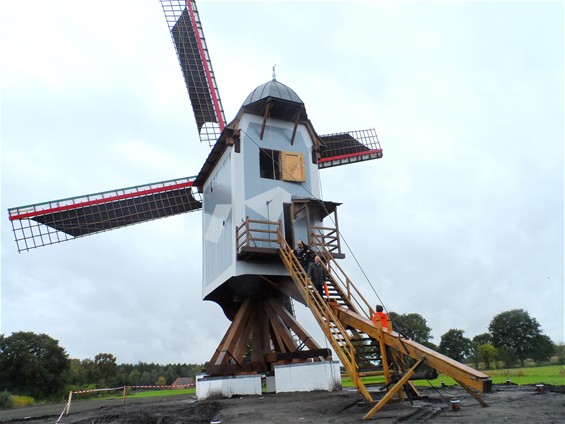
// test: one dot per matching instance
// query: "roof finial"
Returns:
(274, 75)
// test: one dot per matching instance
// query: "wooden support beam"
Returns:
(301, 354)
(384, 353)
(224, 352)
(472, 393)
(291, 322)
(282, 333)
(261, 343)
(242, 339)
(296, 120)
(395, 389)
(443, 364)
(235, 369)
(265, 118)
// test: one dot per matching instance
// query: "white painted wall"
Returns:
(308, 377)
(209, 387)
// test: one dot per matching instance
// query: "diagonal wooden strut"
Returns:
(226, 351)
(267, 332)
(395, 389)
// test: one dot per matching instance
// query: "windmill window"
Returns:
(269, 164)
(286, 166)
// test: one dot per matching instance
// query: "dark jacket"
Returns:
(304, 255)
(318, 274)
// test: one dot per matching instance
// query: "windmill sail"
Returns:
(53, 222)
(349, 147)
(192, 52)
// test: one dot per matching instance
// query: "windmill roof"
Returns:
(273, 100)
(273, 89)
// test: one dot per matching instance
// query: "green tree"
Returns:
(170, 374)
(507, 357)
(516, 331)
(32, 364)
(542, 349)
(89, 372)
(145, 379)
(154, 376)
(478, 341)
(560, 351)
(481, 339)
(487, 355)
(74, 373)
(106, 367)
(134, 377)
(455, 345)
(413, 326)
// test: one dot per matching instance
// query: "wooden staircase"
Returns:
(345, 317)
(333, 329)
(341, 291)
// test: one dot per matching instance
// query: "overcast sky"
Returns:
(460, 220)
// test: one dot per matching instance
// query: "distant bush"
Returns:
(18, 401)
(5, 400)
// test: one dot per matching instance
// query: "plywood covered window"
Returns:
(292, 167)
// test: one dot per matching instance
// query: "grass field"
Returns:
(552, 374)
(166, 392)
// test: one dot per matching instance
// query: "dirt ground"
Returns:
(506, 404)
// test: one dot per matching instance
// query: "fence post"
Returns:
(124, 395)
(67, 410)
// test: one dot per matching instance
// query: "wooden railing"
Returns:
(326, 239)
(254, 233)
(348, 291)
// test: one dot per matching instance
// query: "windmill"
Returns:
(258, 193)
(61, 220)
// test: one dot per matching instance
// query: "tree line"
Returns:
(35, 365)
(512, 338)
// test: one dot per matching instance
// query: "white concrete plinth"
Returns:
(270, 384)
(209, 387)
(308, 377)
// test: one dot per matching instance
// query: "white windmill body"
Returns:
(258, 167)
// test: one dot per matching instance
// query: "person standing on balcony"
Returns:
(318, 274)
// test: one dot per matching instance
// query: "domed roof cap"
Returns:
(273, 89)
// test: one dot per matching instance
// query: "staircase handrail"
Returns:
(357, 301)
(324, 315)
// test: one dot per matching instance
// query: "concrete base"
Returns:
(270, 384)
(210, 387)
(308, 377)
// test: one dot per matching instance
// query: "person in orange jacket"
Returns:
(382, 316)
